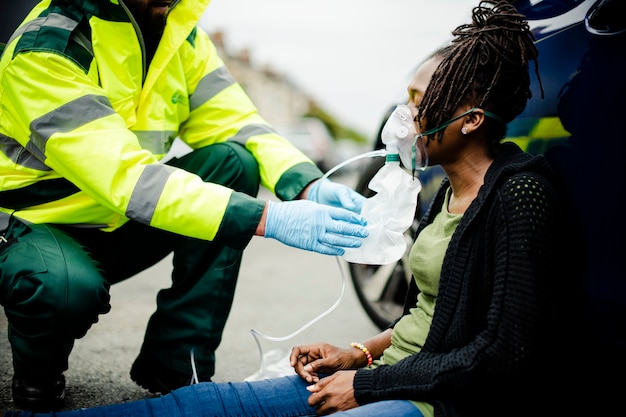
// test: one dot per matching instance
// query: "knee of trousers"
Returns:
(247, 179)
(48, 302)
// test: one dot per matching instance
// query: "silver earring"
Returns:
(464, 130)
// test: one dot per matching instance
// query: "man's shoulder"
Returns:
(67, 34)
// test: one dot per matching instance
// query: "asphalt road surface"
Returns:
(280, 291)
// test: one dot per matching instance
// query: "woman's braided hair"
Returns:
(485, 66)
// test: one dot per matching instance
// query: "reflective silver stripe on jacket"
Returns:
(20, 155)
(52, 20)
(209, 86)
(66, 118)
(4, 221)
(157, 142)
(147, 192)
(248, 131)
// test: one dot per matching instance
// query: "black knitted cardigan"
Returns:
(486, 349)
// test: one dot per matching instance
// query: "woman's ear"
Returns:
(472, 121)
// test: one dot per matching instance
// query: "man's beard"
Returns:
(154, 27)
(151, 26)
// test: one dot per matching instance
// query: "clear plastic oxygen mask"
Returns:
(399, 136)
(391, 211)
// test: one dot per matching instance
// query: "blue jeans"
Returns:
(277, 397)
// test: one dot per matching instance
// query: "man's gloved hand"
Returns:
(337, 195)
(308, 225)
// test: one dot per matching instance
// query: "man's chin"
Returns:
(160, 11)
(157, 20)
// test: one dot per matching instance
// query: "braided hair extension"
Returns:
(485, 66)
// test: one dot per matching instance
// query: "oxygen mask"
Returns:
(399, 136)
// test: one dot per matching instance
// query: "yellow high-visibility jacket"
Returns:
(84, 124)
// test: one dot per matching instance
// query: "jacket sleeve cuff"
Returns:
(240, 220)
(295, 179)
(362, 385)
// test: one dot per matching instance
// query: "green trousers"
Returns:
(55, 280)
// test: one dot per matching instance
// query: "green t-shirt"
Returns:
(426, 258)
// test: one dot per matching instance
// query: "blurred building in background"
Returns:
(290, 109)
(278, 99)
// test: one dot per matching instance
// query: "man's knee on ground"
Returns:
(41, 301)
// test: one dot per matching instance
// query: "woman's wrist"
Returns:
(366, 353)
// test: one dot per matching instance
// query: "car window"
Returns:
(607, 17)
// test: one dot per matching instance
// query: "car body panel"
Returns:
(579, 125)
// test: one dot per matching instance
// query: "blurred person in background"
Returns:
(476, 337)
(92, 95)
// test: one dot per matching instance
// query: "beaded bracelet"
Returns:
(362, 348)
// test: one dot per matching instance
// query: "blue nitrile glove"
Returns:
(337, 195)
(308, 225)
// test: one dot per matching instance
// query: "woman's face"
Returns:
(416, 89)
(452, 143)
(419, 82)
(449, 148)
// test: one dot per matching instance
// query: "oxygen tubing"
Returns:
(255, 333)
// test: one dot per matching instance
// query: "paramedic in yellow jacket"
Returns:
(92, 94)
